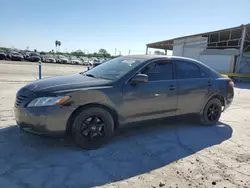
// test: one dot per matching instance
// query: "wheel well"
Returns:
(217, 96)
(81, 108)
(221, 98)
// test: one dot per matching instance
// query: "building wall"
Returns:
(195, 48)
(190, 47)
(222, 60)
(220, 63)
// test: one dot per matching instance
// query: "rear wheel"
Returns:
(211, 113)
(92, 128)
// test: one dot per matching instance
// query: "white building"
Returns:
(226, 50)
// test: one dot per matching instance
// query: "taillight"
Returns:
(231, 83)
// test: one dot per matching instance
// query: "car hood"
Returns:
(66, 83)
(64, 59)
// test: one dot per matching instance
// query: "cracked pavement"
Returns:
(162, 153)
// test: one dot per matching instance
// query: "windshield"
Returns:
(48, 56)
(115, 68)
(15, 53)
(61, 56)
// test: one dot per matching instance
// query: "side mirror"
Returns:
(139, 78)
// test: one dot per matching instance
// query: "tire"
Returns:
(79, 127)
(206, 118)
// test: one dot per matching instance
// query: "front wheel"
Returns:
(92, 128)
(211, 113)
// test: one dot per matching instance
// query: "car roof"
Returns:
(149, 57)
(152, 57)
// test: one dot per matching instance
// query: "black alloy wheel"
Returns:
(212, 112)
(92, 128)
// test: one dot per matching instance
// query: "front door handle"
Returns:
(171, 88)
(209, 83)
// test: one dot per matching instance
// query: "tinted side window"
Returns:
(161, 70)
(189, 70)
(204, 74)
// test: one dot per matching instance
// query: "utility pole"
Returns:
(129, 52)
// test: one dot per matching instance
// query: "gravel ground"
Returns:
(152, 154)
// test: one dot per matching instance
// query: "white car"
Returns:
(49, 59)
(75, 61)
(85, 61)
(62, 59)
(91, 62)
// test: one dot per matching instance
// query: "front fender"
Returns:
(109, 96)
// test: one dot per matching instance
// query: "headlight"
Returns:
(48, 101)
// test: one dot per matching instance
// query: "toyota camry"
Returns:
(91, 105)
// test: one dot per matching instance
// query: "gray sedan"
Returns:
(91, 105)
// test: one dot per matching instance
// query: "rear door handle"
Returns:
(171, 88)
(209, 83)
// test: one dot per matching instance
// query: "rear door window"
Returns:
(187, 70)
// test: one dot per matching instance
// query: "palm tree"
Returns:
(59, 44)
(56, 43)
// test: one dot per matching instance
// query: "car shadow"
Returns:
(140, 148)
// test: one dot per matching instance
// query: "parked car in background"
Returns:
(49, 59)
(89, 106)
(97, 63)
(92, 60)
(34, 57)
(15, 56)
(62, 59)
(75, 61)
(26, 55)
(85, 61)
(3, 55)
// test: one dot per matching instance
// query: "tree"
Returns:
(157, 52)
(107, 55)
(102, 51)
(78, 53)
(57, 43)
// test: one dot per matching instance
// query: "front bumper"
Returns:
(51, 120)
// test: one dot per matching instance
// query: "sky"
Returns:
(109, 24)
